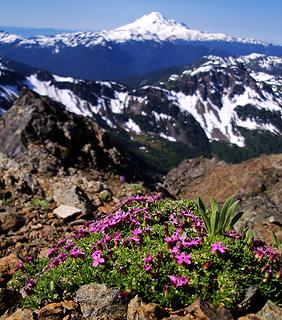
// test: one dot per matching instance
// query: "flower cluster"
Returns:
(158, 248)
(262, 250)
(218, 247)
(179, 281)
(97, 258)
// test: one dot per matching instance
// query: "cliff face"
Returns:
(257, 182)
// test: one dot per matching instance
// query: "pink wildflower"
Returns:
(148, 259)
(191, 243)
(76, 253)
(218, 247)
(51, 252)
(137, 231)
(147, 267)
(183, 258)
(179, 281)
(97, 259)
(174, 250)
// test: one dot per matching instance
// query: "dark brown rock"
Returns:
(270, 311)
(252, 302)
(8, 266)
(249, 317)
(44, 136)
(257, 182)
(8, 298)
(201, 310)
(58, 311)
(138, 310)
(10, 221)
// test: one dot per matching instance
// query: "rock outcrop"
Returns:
(97, 301)
(41, 134)
(257, 182)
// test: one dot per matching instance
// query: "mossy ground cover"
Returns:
(159, 249)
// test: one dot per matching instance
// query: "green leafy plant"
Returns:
(249, 236)
(39, 204)
(158, 249)
(218, 221)
(135, 188)
(276, 242)
(105, 196)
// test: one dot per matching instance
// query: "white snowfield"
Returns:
(75, 104)
(153, 27)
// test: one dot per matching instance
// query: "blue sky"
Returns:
(256, 18)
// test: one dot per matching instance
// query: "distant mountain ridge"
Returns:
(148, 44)
(151, 27)
(29, 32)
(229, 107)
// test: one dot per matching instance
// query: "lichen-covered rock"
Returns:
(72, 196)
(270, 312)
(97, 300)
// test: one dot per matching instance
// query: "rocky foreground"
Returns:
(99, 302)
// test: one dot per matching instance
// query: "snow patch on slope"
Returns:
(169, 138)
(130, 125)
(63, 79)
(9, 92)
(222, 122)
(64, 96)
(9, 38)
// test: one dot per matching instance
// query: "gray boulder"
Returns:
(97, 300)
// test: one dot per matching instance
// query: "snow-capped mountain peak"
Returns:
(152, 23)
(154, 26)
(9, 38)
